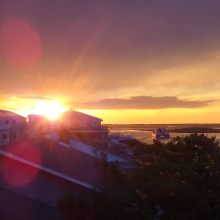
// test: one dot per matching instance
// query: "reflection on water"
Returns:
(145, 136)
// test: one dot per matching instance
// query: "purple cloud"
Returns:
(40, 97)
(141, 102)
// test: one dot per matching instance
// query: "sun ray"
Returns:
(50, 109)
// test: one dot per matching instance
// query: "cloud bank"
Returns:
(94, 46)
(141, 102)
(36, 97)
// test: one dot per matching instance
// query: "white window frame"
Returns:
(94, 123)
(83, 123)
(13, 122)
(8, 122)
(6, 136)
(0, 122)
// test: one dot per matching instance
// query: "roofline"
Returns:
(91, 116)
(13, 113)
(48, 170)
(83, 113)
(36, 115)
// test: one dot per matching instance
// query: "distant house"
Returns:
(82, 127)
(36, 124)
(12, 127)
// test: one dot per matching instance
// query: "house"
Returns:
(81, 126)
(34, 173)
(12, 127)
(36, 124)
(84, 127)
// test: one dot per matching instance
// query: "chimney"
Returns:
(64, 136)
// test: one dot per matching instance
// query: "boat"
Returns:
(160, 133)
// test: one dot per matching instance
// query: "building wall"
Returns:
(80, 123)
(37, 124)
(12, 129)
(91, 137)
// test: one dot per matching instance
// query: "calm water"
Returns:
(145, 136)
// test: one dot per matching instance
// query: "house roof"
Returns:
(51, 157)
(15, 206)
(35, 115)
(75, 114)
(8, 113)
(32, 182)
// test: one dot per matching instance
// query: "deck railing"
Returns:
(104, 127)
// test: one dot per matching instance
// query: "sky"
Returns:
(125, 61)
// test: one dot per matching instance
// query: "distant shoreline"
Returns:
(195, 130)
(175, 130)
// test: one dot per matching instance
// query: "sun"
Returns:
(51, 109)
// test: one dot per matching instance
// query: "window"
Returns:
(76, 124)
(15, 136)
(0, 123)
(4, 136)
(83, 123)
(14, 122)
(6, 122)
(95, 123)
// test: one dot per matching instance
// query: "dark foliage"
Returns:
(177, 180)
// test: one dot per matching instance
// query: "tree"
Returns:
(177, 180)
(182, 176)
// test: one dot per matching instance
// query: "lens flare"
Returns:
(20, 43)
(17, 173)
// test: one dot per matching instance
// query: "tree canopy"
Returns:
(175, 180)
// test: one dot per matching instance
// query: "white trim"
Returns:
(89, 150)
(64, 144)
(47, 169)
(5, 138)
(95, 123)
(15, 122)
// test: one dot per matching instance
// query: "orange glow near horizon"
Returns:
(163, 116)
(51, 109)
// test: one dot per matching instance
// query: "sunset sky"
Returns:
(125, 61)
